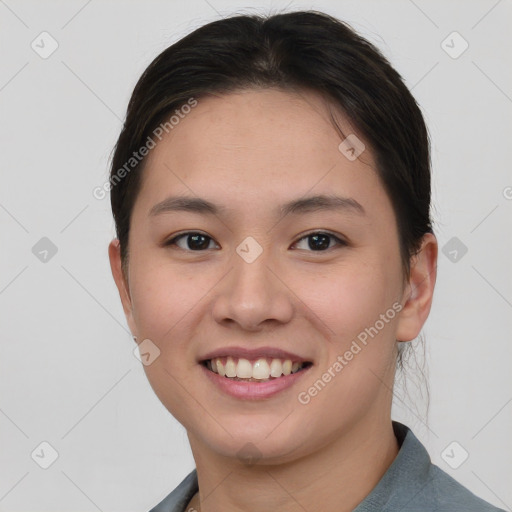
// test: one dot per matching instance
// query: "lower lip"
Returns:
(254, 390)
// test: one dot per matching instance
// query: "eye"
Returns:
(320, 241)
(191, 241)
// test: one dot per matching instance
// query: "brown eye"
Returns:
(191, 241)
(320, 241)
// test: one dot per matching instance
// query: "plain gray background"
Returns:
(68, 375)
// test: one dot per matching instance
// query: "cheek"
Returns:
(349, 297)
(166, 306)
(356, 303)
(163, 298)
(357, 368)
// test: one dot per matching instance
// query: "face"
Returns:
(267, 268)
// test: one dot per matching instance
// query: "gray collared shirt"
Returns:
(411, 484)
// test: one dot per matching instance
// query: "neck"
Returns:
(338, 476)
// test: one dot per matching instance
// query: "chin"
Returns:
(256, 446)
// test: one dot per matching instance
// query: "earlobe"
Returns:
(114, 254)
(419, 290)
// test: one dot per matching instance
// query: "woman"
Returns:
(274, 253)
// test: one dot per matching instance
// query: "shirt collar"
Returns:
(408, 475)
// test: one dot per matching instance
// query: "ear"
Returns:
(114, 254)
(419, 290)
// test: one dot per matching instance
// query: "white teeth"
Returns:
(230, 367)
(259, 370)
(276, 368)
(244, 369)
(220, 368)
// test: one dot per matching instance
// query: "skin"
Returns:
(251, 151)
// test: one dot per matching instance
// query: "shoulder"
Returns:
(451, 495)
(413, 484)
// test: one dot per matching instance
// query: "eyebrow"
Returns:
(297, 206)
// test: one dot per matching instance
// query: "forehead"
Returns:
(256, 146)
(262, 121)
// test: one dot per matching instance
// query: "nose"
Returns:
(253, 296)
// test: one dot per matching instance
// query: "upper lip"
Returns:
(253, 353)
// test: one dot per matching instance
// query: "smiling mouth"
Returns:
(260, 370)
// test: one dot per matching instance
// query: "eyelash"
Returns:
(339, 241)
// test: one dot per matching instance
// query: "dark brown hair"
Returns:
(303, 50)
